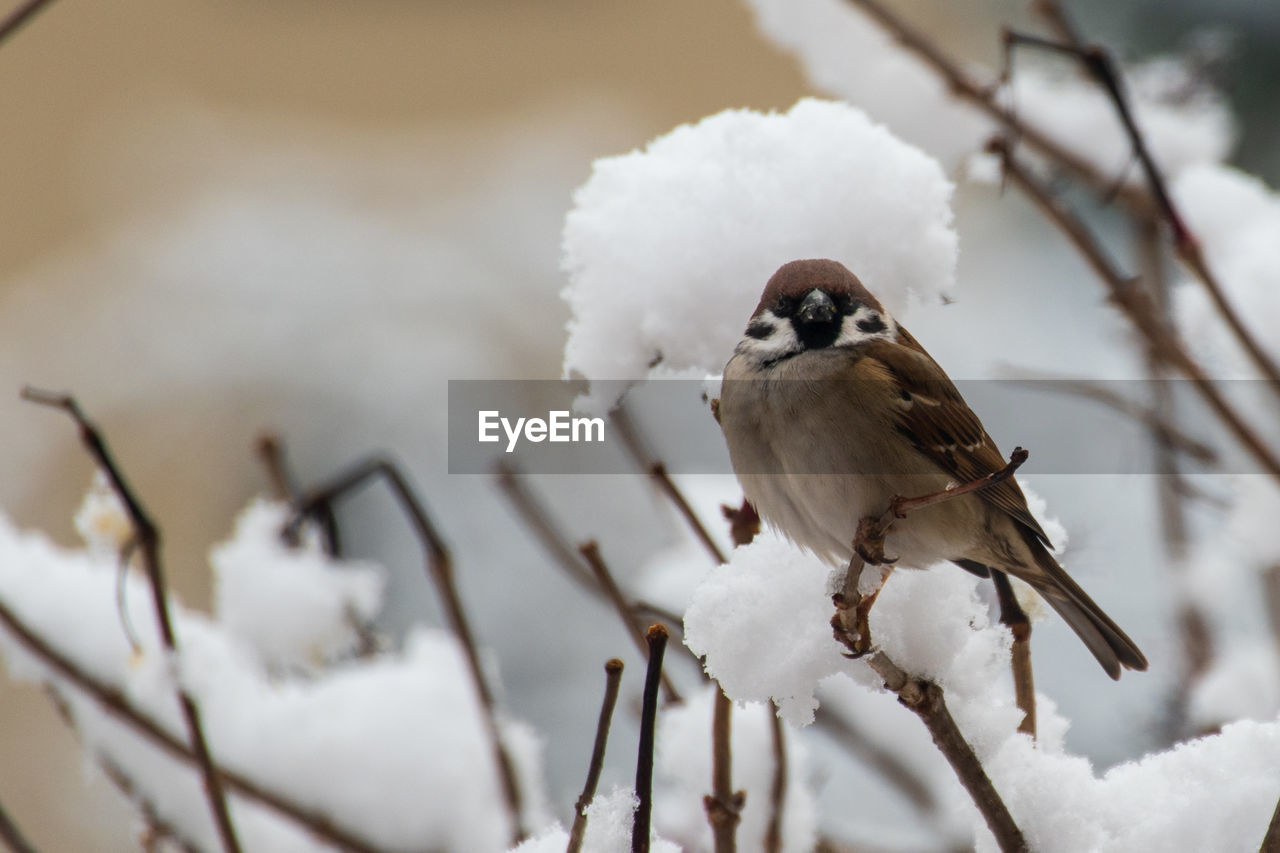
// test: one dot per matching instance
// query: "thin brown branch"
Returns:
(1137, 305)
(612, 679)
(270, 451)
(983, 96)
(1100, 65)
(1271, 841)
(925, 700)
(538, 520)
(1057, 19)
(147, 535)
(869, 750)
(778, 786)
(439, 565)
(626, 430)
(157, 828)
(723, 804)
(657, 641)
(22, 14)
(625, 609)
(113, 702)
(1153, 417)
(12, 836)
(1013, 617)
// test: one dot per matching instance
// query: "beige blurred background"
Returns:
(108, 110)
(197, 194)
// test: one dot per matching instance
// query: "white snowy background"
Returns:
(257, 273)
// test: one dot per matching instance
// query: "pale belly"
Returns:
(814, 471)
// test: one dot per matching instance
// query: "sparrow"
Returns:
(830, 409)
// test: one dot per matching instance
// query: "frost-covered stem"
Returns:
(13, 21)
(147, 535)
(626, 429)
(1102, 68)
(1013, 617)
(12, 836)
(440, 571)
(113, 702)
(657, 642)
(778, 787)
(626, 611)
(1136, 303)
(537, 519)
(723, 804)
(612, 679)
(925, 700)
(1271, 841)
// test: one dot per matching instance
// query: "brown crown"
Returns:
(797, 278)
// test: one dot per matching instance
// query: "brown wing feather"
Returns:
(945, 429)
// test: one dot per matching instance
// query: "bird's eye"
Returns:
(783, 306)
(871, 324)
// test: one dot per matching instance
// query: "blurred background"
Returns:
(225, 218)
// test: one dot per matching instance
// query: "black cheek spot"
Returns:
(872, 325)
(759, 330)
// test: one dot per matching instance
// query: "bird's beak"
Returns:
(817, 307)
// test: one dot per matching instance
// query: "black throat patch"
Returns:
(817, 335)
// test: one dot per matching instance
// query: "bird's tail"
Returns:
(1111, 646)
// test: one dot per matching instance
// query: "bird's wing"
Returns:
(936, 419)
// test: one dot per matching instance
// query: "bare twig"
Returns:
(1271, 841)
(1013, 617)
(778, 787)
(1153, 417)
(440, 570)
(723, 804)
(657, 640)
(283, 485)
(925, 700)
(12, 836)
(537, 519)
(148, 538)
(613, 677)
(626, 610)
(871, 752)
(114, 703)
(983, 95)
(23, 13)
(1056, 17)
(157, 828)
(1137, 304)
(626, 430)
(1100, 65)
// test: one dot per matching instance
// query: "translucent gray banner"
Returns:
(1069, 427)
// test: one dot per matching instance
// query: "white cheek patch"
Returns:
(769, 338)
(866, 324)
